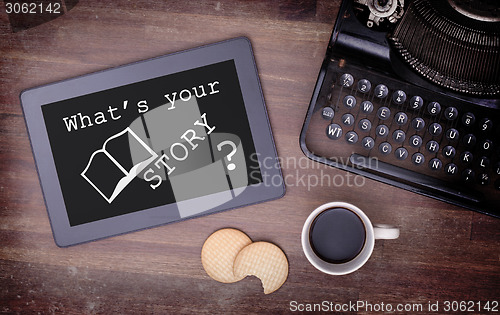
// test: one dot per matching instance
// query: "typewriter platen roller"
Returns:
(415, 87)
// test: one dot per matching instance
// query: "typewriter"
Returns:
(409, 95)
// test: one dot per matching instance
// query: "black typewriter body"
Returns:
(409, 95)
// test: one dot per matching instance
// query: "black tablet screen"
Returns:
(152, 143)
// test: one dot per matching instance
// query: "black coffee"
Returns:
(337, 235)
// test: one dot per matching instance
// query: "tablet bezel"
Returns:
(238, 49)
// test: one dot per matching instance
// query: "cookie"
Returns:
(219, 252)
(264, 260)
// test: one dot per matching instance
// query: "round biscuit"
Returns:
(219, 251)
(264, 260)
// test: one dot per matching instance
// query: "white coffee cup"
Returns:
(371, 232)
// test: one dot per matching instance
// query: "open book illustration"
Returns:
(117, 175)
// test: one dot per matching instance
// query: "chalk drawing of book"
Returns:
(110, 173)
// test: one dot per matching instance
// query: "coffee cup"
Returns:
(338, 238)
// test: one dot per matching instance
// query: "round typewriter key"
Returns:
(468, 119)
(432, 146)
(434, 108)
(364, 86)
(416, 102)
(382, 131)
(334, 131)
(399, 136)
(450, 169)
(484, 179)
(351, 137)
(497, 168)
(486, 145)
(435, 164)
(401, 153)
(365, 125)
(435, 129)
(346, 80)
(383, 113)
(466, 157)
(449, 151)
(385, 148)
(486, 125)
(327, 113)
(366, 107)
(401, 118)
(381, 91)
(416, 141)
(469, 140)
(348, 119)
(468, 175)
(484, 162)
(399, 97)
(418, 123)
(349, 101)
(418, 158)
(451, 113)
(368, 143)
(452, 134)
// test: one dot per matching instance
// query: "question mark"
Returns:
(230, 166)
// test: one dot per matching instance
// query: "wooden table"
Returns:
(444, 253)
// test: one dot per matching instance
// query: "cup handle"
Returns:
(385, 231)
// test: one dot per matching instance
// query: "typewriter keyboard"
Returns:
(408, 136)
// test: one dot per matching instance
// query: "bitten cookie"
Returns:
(264, 260)
(219, 252)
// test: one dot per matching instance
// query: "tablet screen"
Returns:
(151, 143)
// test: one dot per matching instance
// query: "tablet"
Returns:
(152, 142)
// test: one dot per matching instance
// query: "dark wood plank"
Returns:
(443, 253)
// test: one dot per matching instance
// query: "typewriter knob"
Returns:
(381, 11)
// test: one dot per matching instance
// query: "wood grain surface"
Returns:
(444, 253)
